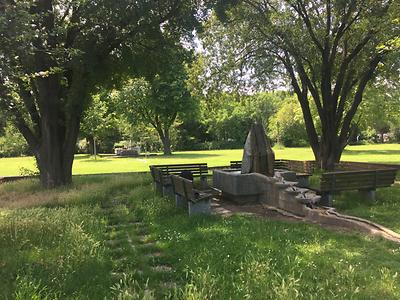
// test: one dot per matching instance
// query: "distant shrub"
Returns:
(12, 143)
(287, 127)
(396, 135)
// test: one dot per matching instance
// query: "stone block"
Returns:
(326, 199)
(180, 201)
(286, 175)
(200, 207)
(368, 194)
(241, 188)
(303, 181)
(293, 207)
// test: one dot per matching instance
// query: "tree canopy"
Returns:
(329, 51)
(55, 53)
(161, 98)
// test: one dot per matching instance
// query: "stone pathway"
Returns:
(134, 251)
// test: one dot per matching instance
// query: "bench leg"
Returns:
(201, 207)
(326, 199)
(158, 187)
(368, 194)
(203, 182)
(180, 201)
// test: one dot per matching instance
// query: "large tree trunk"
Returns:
(166, 140)
(55, 153)
(163, 133)
(331, 151)
(91, 145)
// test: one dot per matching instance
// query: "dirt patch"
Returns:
(228, 208)
(325, 218)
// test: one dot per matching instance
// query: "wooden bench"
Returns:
(161, 175)
(366, 181)
(236, 164)
(186, 196)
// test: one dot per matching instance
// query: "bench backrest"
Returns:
(236, 164)
(297, 166)
(357, 180)
(183, 187)
(188, 184)
(351, 165)
(197, 169)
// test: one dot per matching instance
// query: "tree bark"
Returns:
(55, 157)
(166, 140)
(91, 145)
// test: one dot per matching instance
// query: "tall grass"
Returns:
(54, 245)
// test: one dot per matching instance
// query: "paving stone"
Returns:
(145, 239)
(148, 246)
(142, 231)
(168, 285)
(117, 250)
(122, 259)
(114, 242)
(161, 268)
(119, 226)
(154, 255)
(117, 274)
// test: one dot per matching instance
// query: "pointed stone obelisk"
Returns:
(258, 156)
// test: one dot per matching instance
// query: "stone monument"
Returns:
(258, 156)
(253, 181)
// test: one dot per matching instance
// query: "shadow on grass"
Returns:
(383, 210)
(371, 152)
(241, 253)
(187, 156)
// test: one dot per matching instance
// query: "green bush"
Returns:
(287, 127)
(396, 135)
(12, 143)
(229, 121)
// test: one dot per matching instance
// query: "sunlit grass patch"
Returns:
(84, 164)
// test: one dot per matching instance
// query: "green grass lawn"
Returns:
(111, 237)
(83, 164)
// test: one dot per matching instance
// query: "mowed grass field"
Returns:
(84, 164)
(112, 237)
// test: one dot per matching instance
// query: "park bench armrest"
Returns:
(200, 195)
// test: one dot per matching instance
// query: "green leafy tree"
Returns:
(328, 49)
(100, 124)
(381, 108)
(55, 53)
(161, 99)
(12, 143)
(287, 125)
(229, 119)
